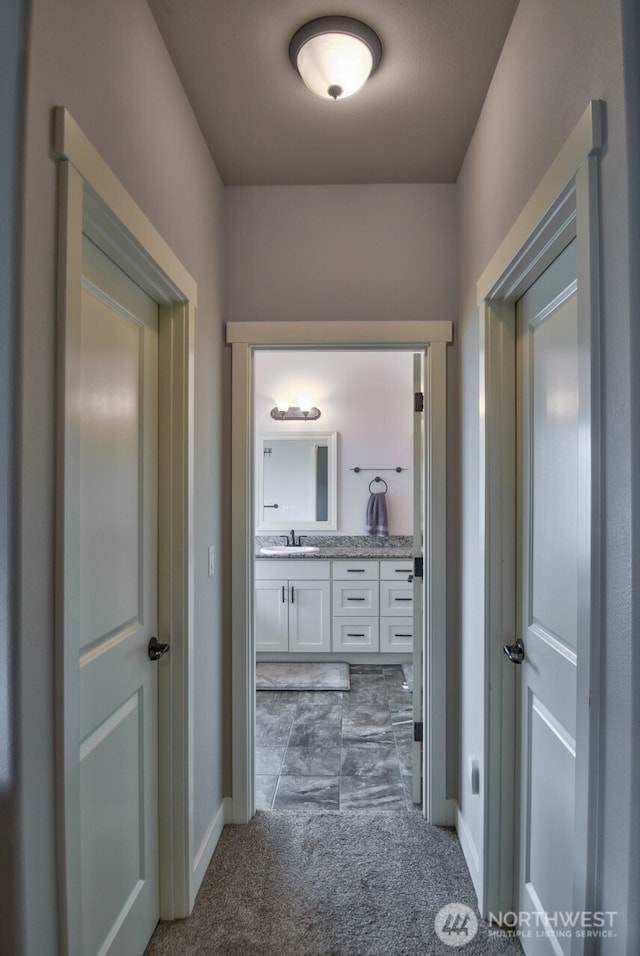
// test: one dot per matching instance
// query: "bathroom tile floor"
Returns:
(335, 750)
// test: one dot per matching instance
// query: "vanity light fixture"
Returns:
(296, 413)
(335, 56)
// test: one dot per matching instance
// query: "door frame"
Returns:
(563, 207)
(93, 201)
(245, 338)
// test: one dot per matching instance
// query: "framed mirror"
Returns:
(297, 482)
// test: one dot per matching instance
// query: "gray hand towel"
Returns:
(377, 521)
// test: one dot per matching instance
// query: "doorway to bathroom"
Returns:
(427, 340)
(333, 601)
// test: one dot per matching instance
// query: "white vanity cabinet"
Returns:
(333, 606)
(292, 606)
(396, 606)
(356, 606)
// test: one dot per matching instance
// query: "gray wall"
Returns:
(106, 62)
(331, 253)
(557, 57)
(13, 39)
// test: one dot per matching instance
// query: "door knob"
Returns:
(156, 650)
(515, 652)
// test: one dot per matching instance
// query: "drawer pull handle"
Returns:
(404, 635)
(355, 570)
(403, 599)
(356, 635)
(355, 599)
(403, 570)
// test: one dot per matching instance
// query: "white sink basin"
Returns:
(285, 549)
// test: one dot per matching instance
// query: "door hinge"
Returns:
(418, 567)
(418, 731)
(418, 405)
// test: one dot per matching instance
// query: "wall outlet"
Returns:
(212, 560)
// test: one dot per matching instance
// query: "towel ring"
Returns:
(386, 486)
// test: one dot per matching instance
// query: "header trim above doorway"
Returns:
(338, 333)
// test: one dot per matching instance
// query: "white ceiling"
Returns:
(411, 123)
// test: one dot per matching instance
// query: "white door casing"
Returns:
(116, 554)
(245, 338)
(437, 807)
(549, 558)
(92, 202)
(418, 765)
(563, 207)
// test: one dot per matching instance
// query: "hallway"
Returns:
(330, 869)
(300, 883)
(120, 115)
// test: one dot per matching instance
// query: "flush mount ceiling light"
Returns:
(335, 56)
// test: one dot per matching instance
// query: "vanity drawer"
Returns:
(355, 599)
(396, 597)
(396, 634)
(355, 635)
(355, 570)
(396, 570)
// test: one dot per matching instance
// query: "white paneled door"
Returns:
(117, 409)
(549, 566)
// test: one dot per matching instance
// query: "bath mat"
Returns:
(302, 676)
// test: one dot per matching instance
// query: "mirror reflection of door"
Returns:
(295, 478)
(297, 482)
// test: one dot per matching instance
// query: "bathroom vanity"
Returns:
(331, 604)
(320, 594)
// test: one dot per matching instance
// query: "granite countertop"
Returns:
(344, 547)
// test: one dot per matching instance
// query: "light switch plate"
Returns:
(212, 560)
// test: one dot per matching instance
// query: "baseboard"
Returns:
(452, 811)
(470, 852)
(208, 845)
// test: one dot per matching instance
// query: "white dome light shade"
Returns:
(334, 65)
(335, 55)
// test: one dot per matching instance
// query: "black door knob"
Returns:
(156, 650)
(515, 652)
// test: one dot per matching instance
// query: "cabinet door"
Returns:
(271, 609)
(309, 616)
